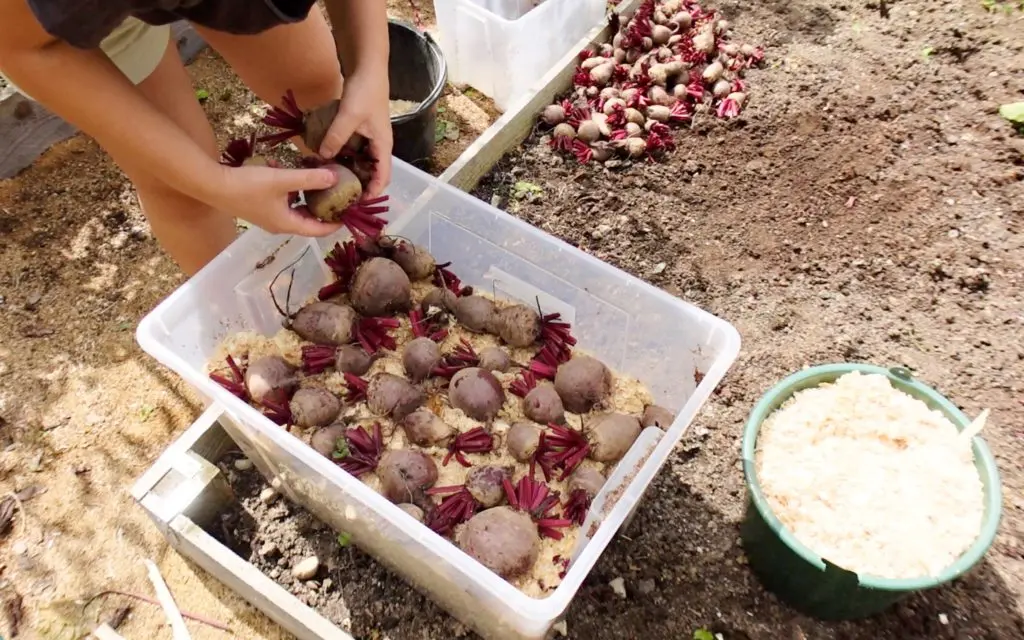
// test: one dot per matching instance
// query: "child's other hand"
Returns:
(365, 109)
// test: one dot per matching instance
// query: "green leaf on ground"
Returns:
(703, 634)
(344, 539)
(202, 95)
(446, 130)
(145, 412)
(523, 190)
(1014, 112)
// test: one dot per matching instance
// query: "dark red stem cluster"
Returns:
(524, 384)
(536, 500)
(423, 326)
(275, 409)
(444, 278)
(288, 118)
(238, 151)
(462, 357)
(356, 387)
(363, 450)
(343, 260)
(577, 506)
(374, 334)
(456, 507)
(562, 448)
(475, 440)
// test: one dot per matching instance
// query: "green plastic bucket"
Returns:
(811, 584)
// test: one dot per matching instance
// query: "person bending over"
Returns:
(110, 68)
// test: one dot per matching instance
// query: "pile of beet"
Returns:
(404, 377)
(670, 60)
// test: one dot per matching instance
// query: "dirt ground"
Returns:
(867, 206)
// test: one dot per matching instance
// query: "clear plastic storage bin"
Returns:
(633, 327)
(502, 47)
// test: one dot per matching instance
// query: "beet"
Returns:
(270, 378)
(476, 313)
(420, 357)
(325, 323)
(503, 540)
(353, 359)
(543, 404)
(440, 298)
(394, 396)
(477, 393)
(330, 204)
(517, 325)
(611, 436)
(325, 440)
(314, 407)
(404, 475)
(316, 123)
(486, 484)
(522, 440)
(416, 261)
(583, 382)
(656, 416)
(424, 428)
(494, 359)
(380, 288)
(588, 480)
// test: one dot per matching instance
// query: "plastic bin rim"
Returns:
(442, 76)
(906, 383)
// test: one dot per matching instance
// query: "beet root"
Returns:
(486, 484)
(656, 416)
(326, 440)
(330, 204)
(420, 357)
(477, 393)
(316, 123)
(380, 288)
(503, 540)
(494, 359)
(314, 407)
(424, 428)
(476, 313)
(270, 378)
(544, 405)
(588, 480)
(611, 436)
(439, 298)
(583, 382)
(416, 261)
(353, 359)
(394, 396)
(405, 474)
(522, 440)
(325, 323)
(517, 325)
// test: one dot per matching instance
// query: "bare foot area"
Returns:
(866, 206)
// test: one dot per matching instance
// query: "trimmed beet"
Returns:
(522, 440)
(405, 474)
(439, 298)
(350, 358)
(414, 259)
(317, 123)
(476, 313)
(314, 407)
(425, 428)
(611, 436)
(503, 540)
(270, 378)
(583, 382)
(380, 288)
(588, 480)
(326, 440)
(391, 395)
(486, 484)
(544, 405)
(517, 325)
(412, 510)
(331, 204)
(494, 359)
(656, 416)
(325, 323)
(420, 357)
(477, 393)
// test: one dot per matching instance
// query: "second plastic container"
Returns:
(417, 72)
(502, 48)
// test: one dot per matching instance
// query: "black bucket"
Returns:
(417, 72)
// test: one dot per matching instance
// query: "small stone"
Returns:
(562, 627)
(267, 495)
(268, 549)
(943, 618)
(618, 585)
(658, 268)
(275, 573)
(646, 587)
(19, 548)
(306, 568)
(243, 464)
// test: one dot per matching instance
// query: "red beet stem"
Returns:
(288, 117)
(364, 450)
(236, 383)
(318, 358)
(536, 499)
(549, 528)
(238, 151)
(361, 218)
(462, 357)
(524, 384)
(728, 108)
(443, 277)
(554, 331)
(582, 151)
(356, 387)
(424, 328)
(563, 448)
(374, 334)
(475, 440)
(278, 412)
(343, 260)
(577, 506)
(328, 291)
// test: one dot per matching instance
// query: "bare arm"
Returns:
(361, 33)
(87, 90)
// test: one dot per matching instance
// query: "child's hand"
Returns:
(365, 109)
(262, 196)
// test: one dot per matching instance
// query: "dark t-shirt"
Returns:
(85, 23)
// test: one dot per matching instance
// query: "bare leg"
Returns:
(189, 230)
(301, 57)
